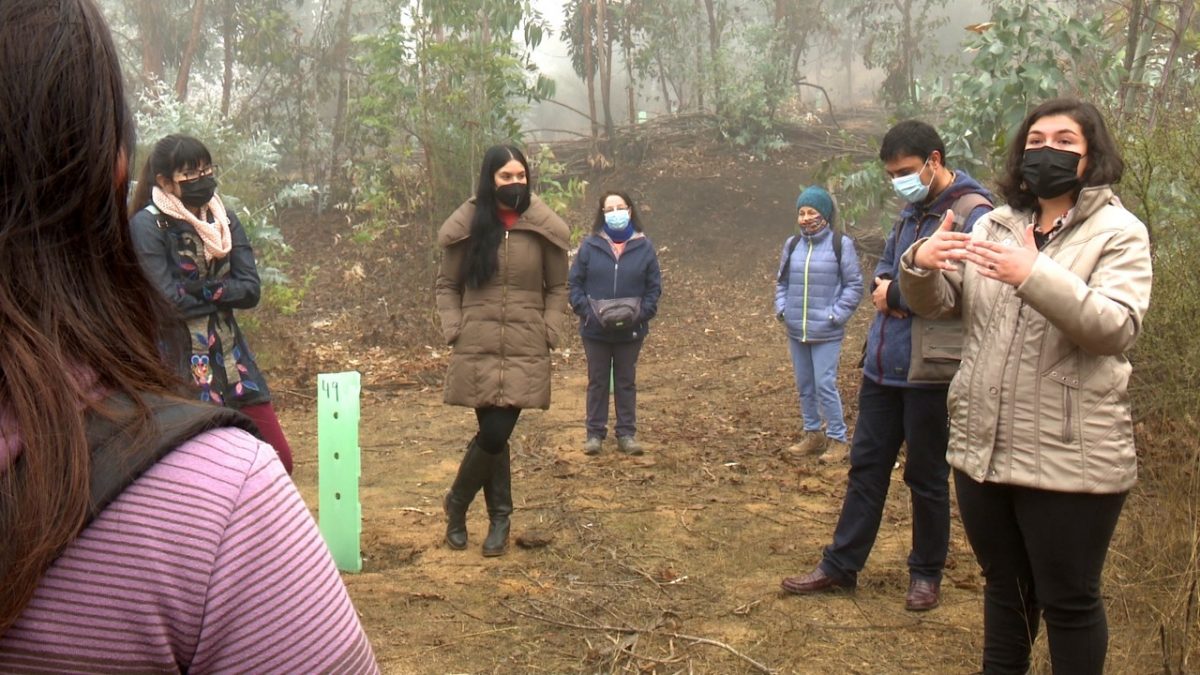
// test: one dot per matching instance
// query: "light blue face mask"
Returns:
(617, 219)
(910, 188)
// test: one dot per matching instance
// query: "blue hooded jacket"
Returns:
(817, 298)
(597, 273)
(889, 342)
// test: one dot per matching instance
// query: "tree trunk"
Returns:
(152, 22)
(589, 67)
(605, 41)
(714, 46)
(662, 80)
(185, 66)
(227, 37)
(341, 58)
(627, 45)
(1186, 9)
(1145, 41)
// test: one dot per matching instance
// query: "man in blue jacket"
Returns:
(893, 409)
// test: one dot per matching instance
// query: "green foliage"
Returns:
(863, 191)
(560, 193)
(896, 40)
(287, 298)
(754, 85)
(445, 81)
(1031, 52)
(1162, 185)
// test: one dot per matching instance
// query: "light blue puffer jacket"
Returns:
(816, 298)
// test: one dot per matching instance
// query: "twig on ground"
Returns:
(679, 636)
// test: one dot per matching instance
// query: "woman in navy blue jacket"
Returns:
(615, 261)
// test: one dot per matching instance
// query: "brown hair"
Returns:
(77, 315)
(598, 221)
(1104, 163)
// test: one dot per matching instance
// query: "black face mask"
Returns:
(1049, 172)
(512, 195)
(197, 193)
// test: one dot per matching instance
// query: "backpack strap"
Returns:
(964, 205)
(117, 460)
(787, 258)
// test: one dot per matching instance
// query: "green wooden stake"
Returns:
(339, 466)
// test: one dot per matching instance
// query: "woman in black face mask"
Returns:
(1052, 289)
(199, 257)
(502, 297)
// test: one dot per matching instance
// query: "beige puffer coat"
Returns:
(1040, 399)
(503, 332)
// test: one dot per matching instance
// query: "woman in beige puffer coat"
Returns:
(502, 297)
(1052, 289)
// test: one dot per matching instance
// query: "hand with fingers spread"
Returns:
(943, 248)
(1010, 264)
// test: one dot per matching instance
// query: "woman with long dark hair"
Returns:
(1052, 289)
(502, 298)
(615, 284)
(198, 255)
(206, 561)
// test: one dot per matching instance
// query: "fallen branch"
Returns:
(651, 631)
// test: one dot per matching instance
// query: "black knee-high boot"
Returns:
(475, 470)
(497, 493)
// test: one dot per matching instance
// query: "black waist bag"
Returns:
(617, 313)
(118, 459)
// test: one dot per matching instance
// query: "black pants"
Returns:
(495, 427)
(619, 358)
(1041, 553)
(888, 417)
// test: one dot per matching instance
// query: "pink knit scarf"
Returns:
(215, 235)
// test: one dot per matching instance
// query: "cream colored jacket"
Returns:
(1040, 399)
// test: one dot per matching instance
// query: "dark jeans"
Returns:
(264, 417)
(621, 358)
(495, 427)
(1041, 552)
(887, 417)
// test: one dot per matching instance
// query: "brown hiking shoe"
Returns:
(811, 443)
(836, 452)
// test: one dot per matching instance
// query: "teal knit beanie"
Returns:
(819, 199)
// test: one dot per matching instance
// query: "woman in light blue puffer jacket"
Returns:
(818, 287)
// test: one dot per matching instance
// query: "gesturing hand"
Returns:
(1010, 264)
(943, 248)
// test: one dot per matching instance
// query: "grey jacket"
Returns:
(1040, 399)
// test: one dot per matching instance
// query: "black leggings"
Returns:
(495, 426)
(1041, 553)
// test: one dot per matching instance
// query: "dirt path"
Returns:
(661, 564)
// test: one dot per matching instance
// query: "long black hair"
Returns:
(483, 246)
(77, 314)
(598, 222)
(170, 154)
(1104, 163)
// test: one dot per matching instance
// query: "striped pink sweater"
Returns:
(209, 562)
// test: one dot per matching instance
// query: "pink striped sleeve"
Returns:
(275, 602)
(208, 562)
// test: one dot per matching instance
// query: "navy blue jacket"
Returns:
(889, 342)
(597, 273)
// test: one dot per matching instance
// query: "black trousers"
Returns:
(619, 359)
(495, 427)
(1041, 553)
(889, 417)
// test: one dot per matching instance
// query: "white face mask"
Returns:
(910, 188)
(617, 219)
